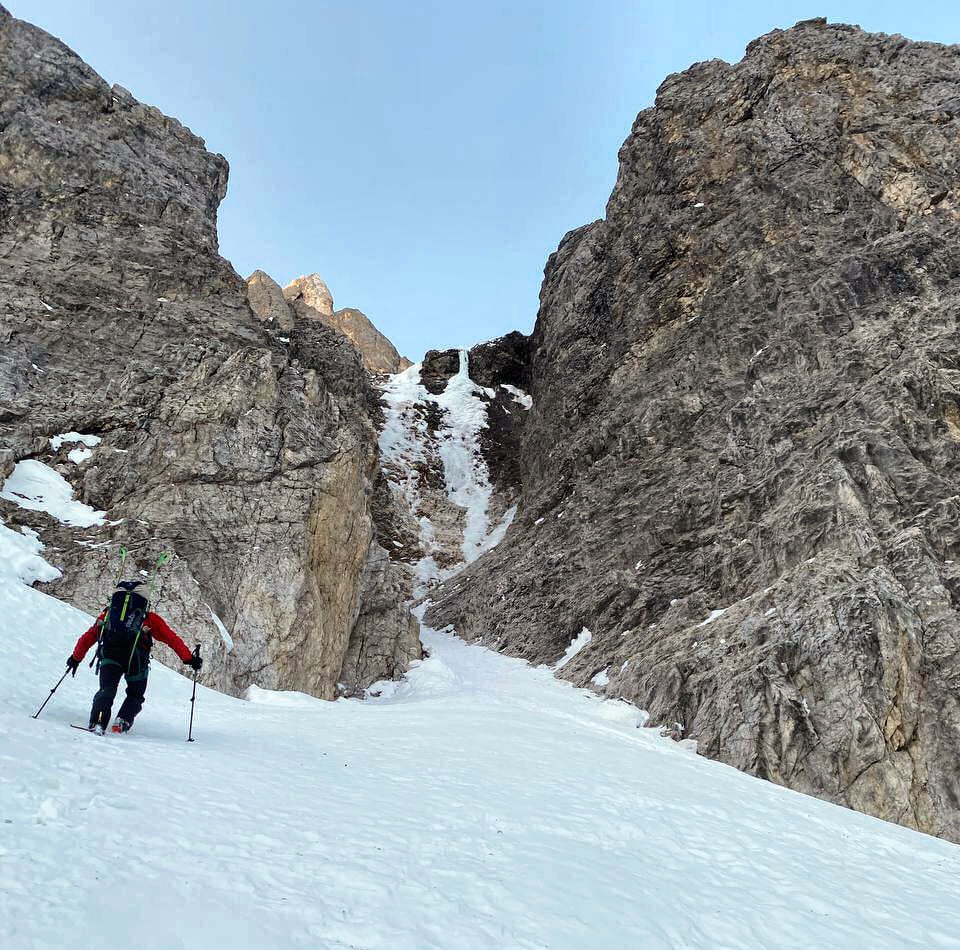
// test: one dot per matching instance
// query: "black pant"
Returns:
(110, 673)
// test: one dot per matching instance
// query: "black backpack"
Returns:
(122, 629)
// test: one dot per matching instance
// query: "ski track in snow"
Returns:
(481, 803)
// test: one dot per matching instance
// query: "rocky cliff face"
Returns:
(741, 470)
(251, 455)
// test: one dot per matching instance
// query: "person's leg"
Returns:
(110, 674)
(136, 688)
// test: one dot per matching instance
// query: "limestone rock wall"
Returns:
(249, 453)
(741, 470)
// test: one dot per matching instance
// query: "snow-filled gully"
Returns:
(478, 803)
(406, 442)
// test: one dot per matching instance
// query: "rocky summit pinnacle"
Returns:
(741, 469)
(311, 299)
(313, 292)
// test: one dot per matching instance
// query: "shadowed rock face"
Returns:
(504, 360)
(746, 393)
(437, 368)
(251, 457)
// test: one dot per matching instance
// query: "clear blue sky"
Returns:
(423, 157)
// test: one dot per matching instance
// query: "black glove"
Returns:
(195, 661)
(72, 665)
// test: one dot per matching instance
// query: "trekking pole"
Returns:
(193, 698)
(52, 691)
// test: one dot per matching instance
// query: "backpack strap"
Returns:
(98, 655)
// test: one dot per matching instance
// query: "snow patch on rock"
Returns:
(221, 628)
(68, 438)
(20, 560)
(601, 679)
(519, 396)
(37, 487)
(580, 641)
(78, 456)
(714, 615)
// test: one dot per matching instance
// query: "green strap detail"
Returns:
(133, 649)
(123, 613)
(106, 662)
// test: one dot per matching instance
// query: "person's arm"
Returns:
(87, 639)
(163, 633)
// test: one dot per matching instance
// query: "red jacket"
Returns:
(155, 625)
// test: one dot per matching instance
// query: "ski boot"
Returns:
(96, 728)
(120, 725)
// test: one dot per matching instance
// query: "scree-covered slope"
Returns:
(481, 803)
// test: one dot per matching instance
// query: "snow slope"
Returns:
(480, 803)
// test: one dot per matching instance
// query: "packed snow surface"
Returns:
(38, 487)
(20, 558)
(481, 803)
